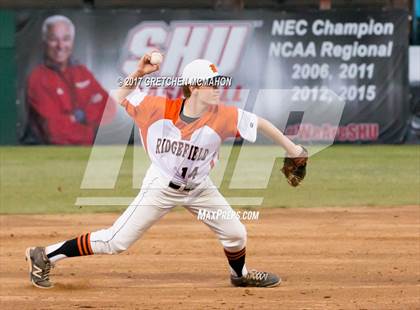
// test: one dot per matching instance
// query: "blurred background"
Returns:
(60, 60)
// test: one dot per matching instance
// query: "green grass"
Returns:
(48, 179)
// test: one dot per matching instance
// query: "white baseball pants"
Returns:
(154, 201)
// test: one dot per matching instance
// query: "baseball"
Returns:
(156, 58)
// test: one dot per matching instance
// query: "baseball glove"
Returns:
(294, 169)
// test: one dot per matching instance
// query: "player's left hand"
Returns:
(294, 168)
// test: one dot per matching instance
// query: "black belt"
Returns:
(180, 187)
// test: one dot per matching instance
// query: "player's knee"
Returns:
(240, 236)
(236, 238)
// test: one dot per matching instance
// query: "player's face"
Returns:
(208, 95)
(59, 44)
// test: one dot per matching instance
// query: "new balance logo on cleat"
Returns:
(39, 267)
(37, 272)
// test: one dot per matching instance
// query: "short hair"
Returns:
(186, 91)
(55, 19)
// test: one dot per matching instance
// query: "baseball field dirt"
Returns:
(329, 258)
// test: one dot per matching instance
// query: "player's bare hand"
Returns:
(144, 66)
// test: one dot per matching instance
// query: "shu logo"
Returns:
(220, 41)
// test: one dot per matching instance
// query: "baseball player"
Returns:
(182, 137)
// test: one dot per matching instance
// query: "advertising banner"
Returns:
(65, 74)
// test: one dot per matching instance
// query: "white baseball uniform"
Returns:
(181, 153)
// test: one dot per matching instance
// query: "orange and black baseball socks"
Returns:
(237, 262)
(79, 246)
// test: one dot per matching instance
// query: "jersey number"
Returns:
(191, 175)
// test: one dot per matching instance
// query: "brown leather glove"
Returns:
(294, 169)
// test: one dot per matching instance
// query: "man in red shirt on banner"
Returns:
(65, 101)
